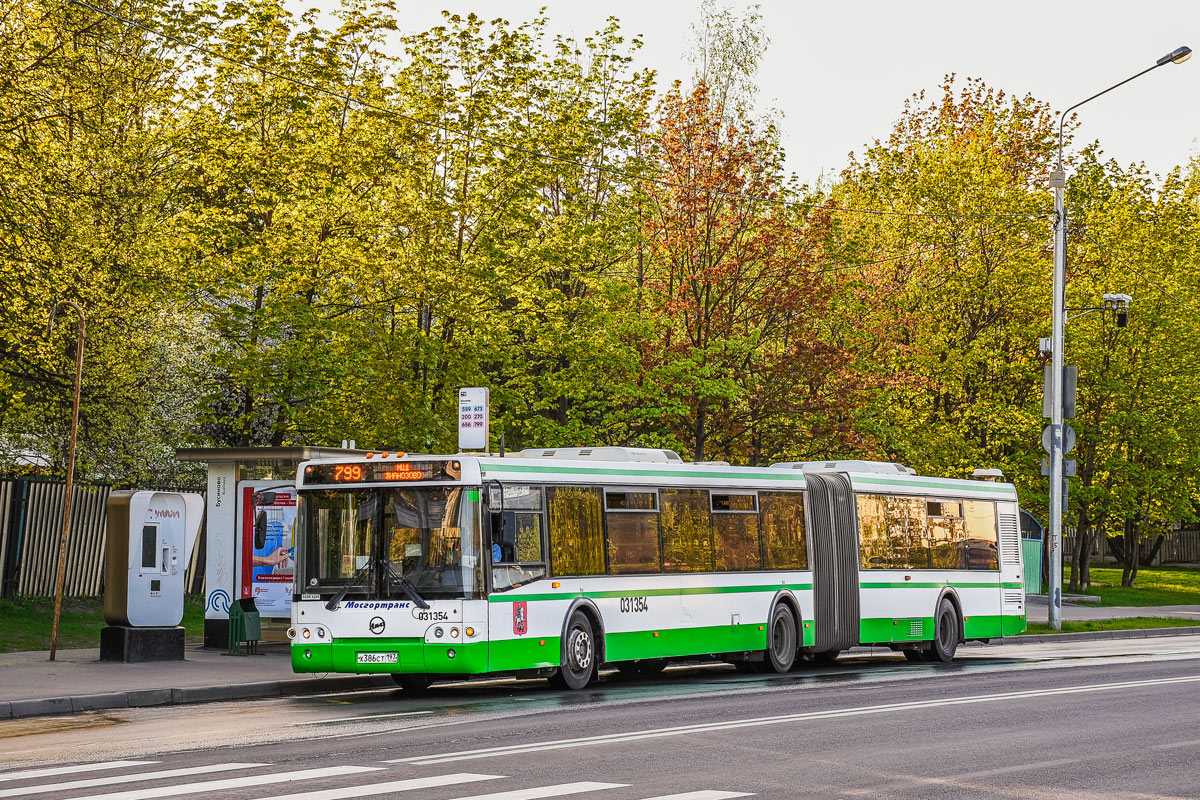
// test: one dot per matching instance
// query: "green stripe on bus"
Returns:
(976, 486)
(953, 584)
(610, 593)
(780, 475)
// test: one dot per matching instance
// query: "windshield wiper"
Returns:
(404, 583)
(355, 581)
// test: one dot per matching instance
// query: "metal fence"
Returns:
(30, 535)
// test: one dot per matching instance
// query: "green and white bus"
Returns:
(557, 562)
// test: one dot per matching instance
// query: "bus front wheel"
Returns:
(579, 654)
(781, 639)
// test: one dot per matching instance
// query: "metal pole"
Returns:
(1058, 180)
(66, 520)
(1058, 335)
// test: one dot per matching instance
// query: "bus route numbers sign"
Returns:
(473, 418)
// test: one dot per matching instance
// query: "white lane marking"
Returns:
(705, 795)
(48, 771)
(653, 733)
(368, 716)
(232, 783)
(390, 786)
(533, 793)
(112, 779)
(1173, 745)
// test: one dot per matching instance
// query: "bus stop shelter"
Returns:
(235, 474)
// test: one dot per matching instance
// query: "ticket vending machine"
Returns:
(150, 539)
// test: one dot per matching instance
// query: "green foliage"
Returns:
(262, 261)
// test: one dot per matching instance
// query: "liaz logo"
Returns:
(376, 625)
(520, 618)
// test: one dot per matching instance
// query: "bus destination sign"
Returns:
(382, 472)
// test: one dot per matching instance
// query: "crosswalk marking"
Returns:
(112, 779)
(46, 772)
(535, 792)
(705, 795)
(233, 783)
(390, 786)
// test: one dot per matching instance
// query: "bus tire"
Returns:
(945, 633)
(415, 684)
(782, 640)
(579, 654)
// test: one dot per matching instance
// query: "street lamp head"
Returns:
(1176, 56)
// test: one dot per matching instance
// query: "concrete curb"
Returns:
(1087, 636)
(144, 698)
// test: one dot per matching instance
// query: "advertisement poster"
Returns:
(267, 553)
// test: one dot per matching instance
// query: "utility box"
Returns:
(150, 539)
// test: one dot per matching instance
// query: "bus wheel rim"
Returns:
(581, 650)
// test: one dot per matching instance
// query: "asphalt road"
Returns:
(1118, 719)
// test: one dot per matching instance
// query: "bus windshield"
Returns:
(370, 541)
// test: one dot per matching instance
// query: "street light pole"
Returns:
(1058, 490)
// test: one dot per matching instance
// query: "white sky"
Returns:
(840, 70)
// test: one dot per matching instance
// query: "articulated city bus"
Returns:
(557, 562)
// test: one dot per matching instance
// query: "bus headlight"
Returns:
(320, 633)
(470, 631)
(438, 632)
(454, 633)
(307, 634)
(291, 633)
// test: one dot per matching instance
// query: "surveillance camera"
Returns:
(1117, 301)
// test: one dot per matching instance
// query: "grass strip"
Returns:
(25, 623)
(1125, 624)
(1157, 586)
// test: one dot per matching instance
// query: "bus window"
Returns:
(946, 533)
(782, 520)
(979, 546)
(907, 532)
(631, 518)
(875, 547)
(576, 530)
(517, 556)
(687, 534)
(735, 532)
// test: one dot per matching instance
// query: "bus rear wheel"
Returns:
(782, 643)
(579, 654)
(946, 636)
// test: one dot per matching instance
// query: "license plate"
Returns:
(378, 658)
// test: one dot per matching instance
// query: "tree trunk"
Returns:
(1148, 561)
(1073, 584)
(1130, 556)
(1085, 564)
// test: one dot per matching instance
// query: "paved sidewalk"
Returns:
(32, 685)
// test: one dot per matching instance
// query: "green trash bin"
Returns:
(245, 627)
